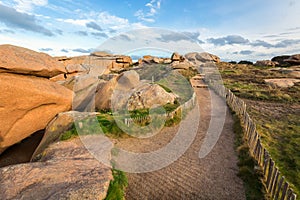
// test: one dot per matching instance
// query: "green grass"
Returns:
(248, 82)
(275, 112)
(179, 85)
(109, 126)
(175, 120)
(69, 134)
(117, 186)
(281, 136)
(251, 176)
(165, 88)
(105, 121)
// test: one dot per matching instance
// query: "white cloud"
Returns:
(148, 16)
(28, 5)
(78, 22)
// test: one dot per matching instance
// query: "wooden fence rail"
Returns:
(275, 183)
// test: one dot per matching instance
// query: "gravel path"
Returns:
(212, 177)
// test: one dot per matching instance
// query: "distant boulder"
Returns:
(201, 58)
(293, 60)
(101, 54)
(232, 62)
(281, 60)
(20, 60)
(177, 57)
(148, 59)
(267, 63)
(245, 62)
(182, 65)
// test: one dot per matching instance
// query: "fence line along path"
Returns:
(213, 177)
(276, 184)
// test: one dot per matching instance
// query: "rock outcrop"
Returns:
(20, 60)
(266, 63)
(202, 58)
(293, 60)
(28, 104)
(96, 64)
(66, 171)
(125, 82)
(126, 91)
(281, 60)
(84, 88)
(182, 65)
(149, 95)
(57, 127)
(147, 59)
(176, 57)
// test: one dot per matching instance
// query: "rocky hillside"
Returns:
(38, 90)
(45, 95)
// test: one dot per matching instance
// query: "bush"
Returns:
(245, 62)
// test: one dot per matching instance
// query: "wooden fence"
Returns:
(275, 183)
(169, 115)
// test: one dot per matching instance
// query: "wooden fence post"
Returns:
(273, 179)
(279, 187)
(270, 172)
(273, 192)
(284, 190)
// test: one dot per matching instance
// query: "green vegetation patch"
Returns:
(117, 186)
(248, 172)
(281, 136)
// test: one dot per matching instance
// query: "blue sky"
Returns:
(231, 29)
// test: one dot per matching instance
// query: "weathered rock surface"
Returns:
(282, 82)
(96, 64)
(267, 63)
(84, 88)
(67, 171)
(182, 65)
(201, 58)
(149, 95)
(28, 104)
(148, 59)
(124, 82)
(75, 68)
(293, 60)
(177, 57)
(281, 60)
(20, 60)
(57, 127)
(101, 54)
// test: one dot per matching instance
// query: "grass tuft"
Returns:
(117, 186)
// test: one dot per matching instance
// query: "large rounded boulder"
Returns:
(28, 104)
(20, 60)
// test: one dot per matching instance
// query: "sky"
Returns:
(232, 29)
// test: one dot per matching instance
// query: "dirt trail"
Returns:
(213, 177)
